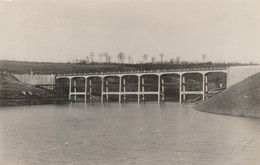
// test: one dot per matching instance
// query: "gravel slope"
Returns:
(241, 99)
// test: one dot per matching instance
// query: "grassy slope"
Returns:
(241, 99)
(26, 67)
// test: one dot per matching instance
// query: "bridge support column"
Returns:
(102, 90)
(180, 94)
(142, 85)
(120, 89)
(206, 86)
(203, 86)
(163, 89)
(159, 88)
(183, 87)
(70, 83)
(86, 89)
(107, 90)
(124, 89)
(138, 90)
(90, 90)
(75, 89)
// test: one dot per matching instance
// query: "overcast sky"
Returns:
(62, 30)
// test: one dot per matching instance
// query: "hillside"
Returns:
(56, 68)
(241, 99)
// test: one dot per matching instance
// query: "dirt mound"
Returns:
(241, 99)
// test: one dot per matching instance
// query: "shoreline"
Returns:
(29, 101)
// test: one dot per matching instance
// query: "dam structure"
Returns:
(140, 86)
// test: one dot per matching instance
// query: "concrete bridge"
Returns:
(138, 85)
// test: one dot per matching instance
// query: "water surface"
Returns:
(123, 134)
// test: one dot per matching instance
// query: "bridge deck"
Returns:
(140, 73)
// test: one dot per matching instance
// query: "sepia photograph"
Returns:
(129, 82)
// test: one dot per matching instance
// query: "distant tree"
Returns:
(82, 61)
(145, 56)
(161, 55)
(172, 61)
(121, 57)
(100, 57)
(87, 59)
(178, 60)
(204, 56)
(153, 60)
(91, 56)
(129, 57)
(107, 57)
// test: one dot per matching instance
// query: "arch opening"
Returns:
(94, 88)
(62, 86)
(170, 87)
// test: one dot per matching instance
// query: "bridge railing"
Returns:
(144, 71)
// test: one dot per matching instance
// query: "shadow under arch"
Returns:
(170, 87)
(62, 86)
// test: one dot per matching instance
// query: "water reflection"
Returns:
(125, 134)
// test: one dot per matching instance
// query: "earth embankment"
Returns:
(241, 99)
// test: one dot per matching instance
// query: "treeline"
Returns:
(123, 58)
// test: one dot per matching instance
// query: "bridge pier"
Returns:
(142, 85)
(86, 89)
(139, 86)
(120, 89)
(90, 90)
(183, 87)
(102, 90)
(162, 93)
(106, 91)
(206, 86)
(180, 89)
(159, 88)
(124, 89)
(70, 88)
(203, 86)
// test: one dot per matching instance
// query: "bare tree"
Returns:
(87, 59)
(129, 57)
(100, 57)
(107, 57)
(121, 57)
(204, 56)
(145, 56)
(91, 56)
(161, 55)
(178, 60)
(153, 60)
(172, 61)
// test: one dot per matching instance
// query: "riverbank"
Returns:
(241, 99)
(15, 93)
(22, 102)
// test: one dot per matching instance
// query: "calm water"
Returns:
(113, 134)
